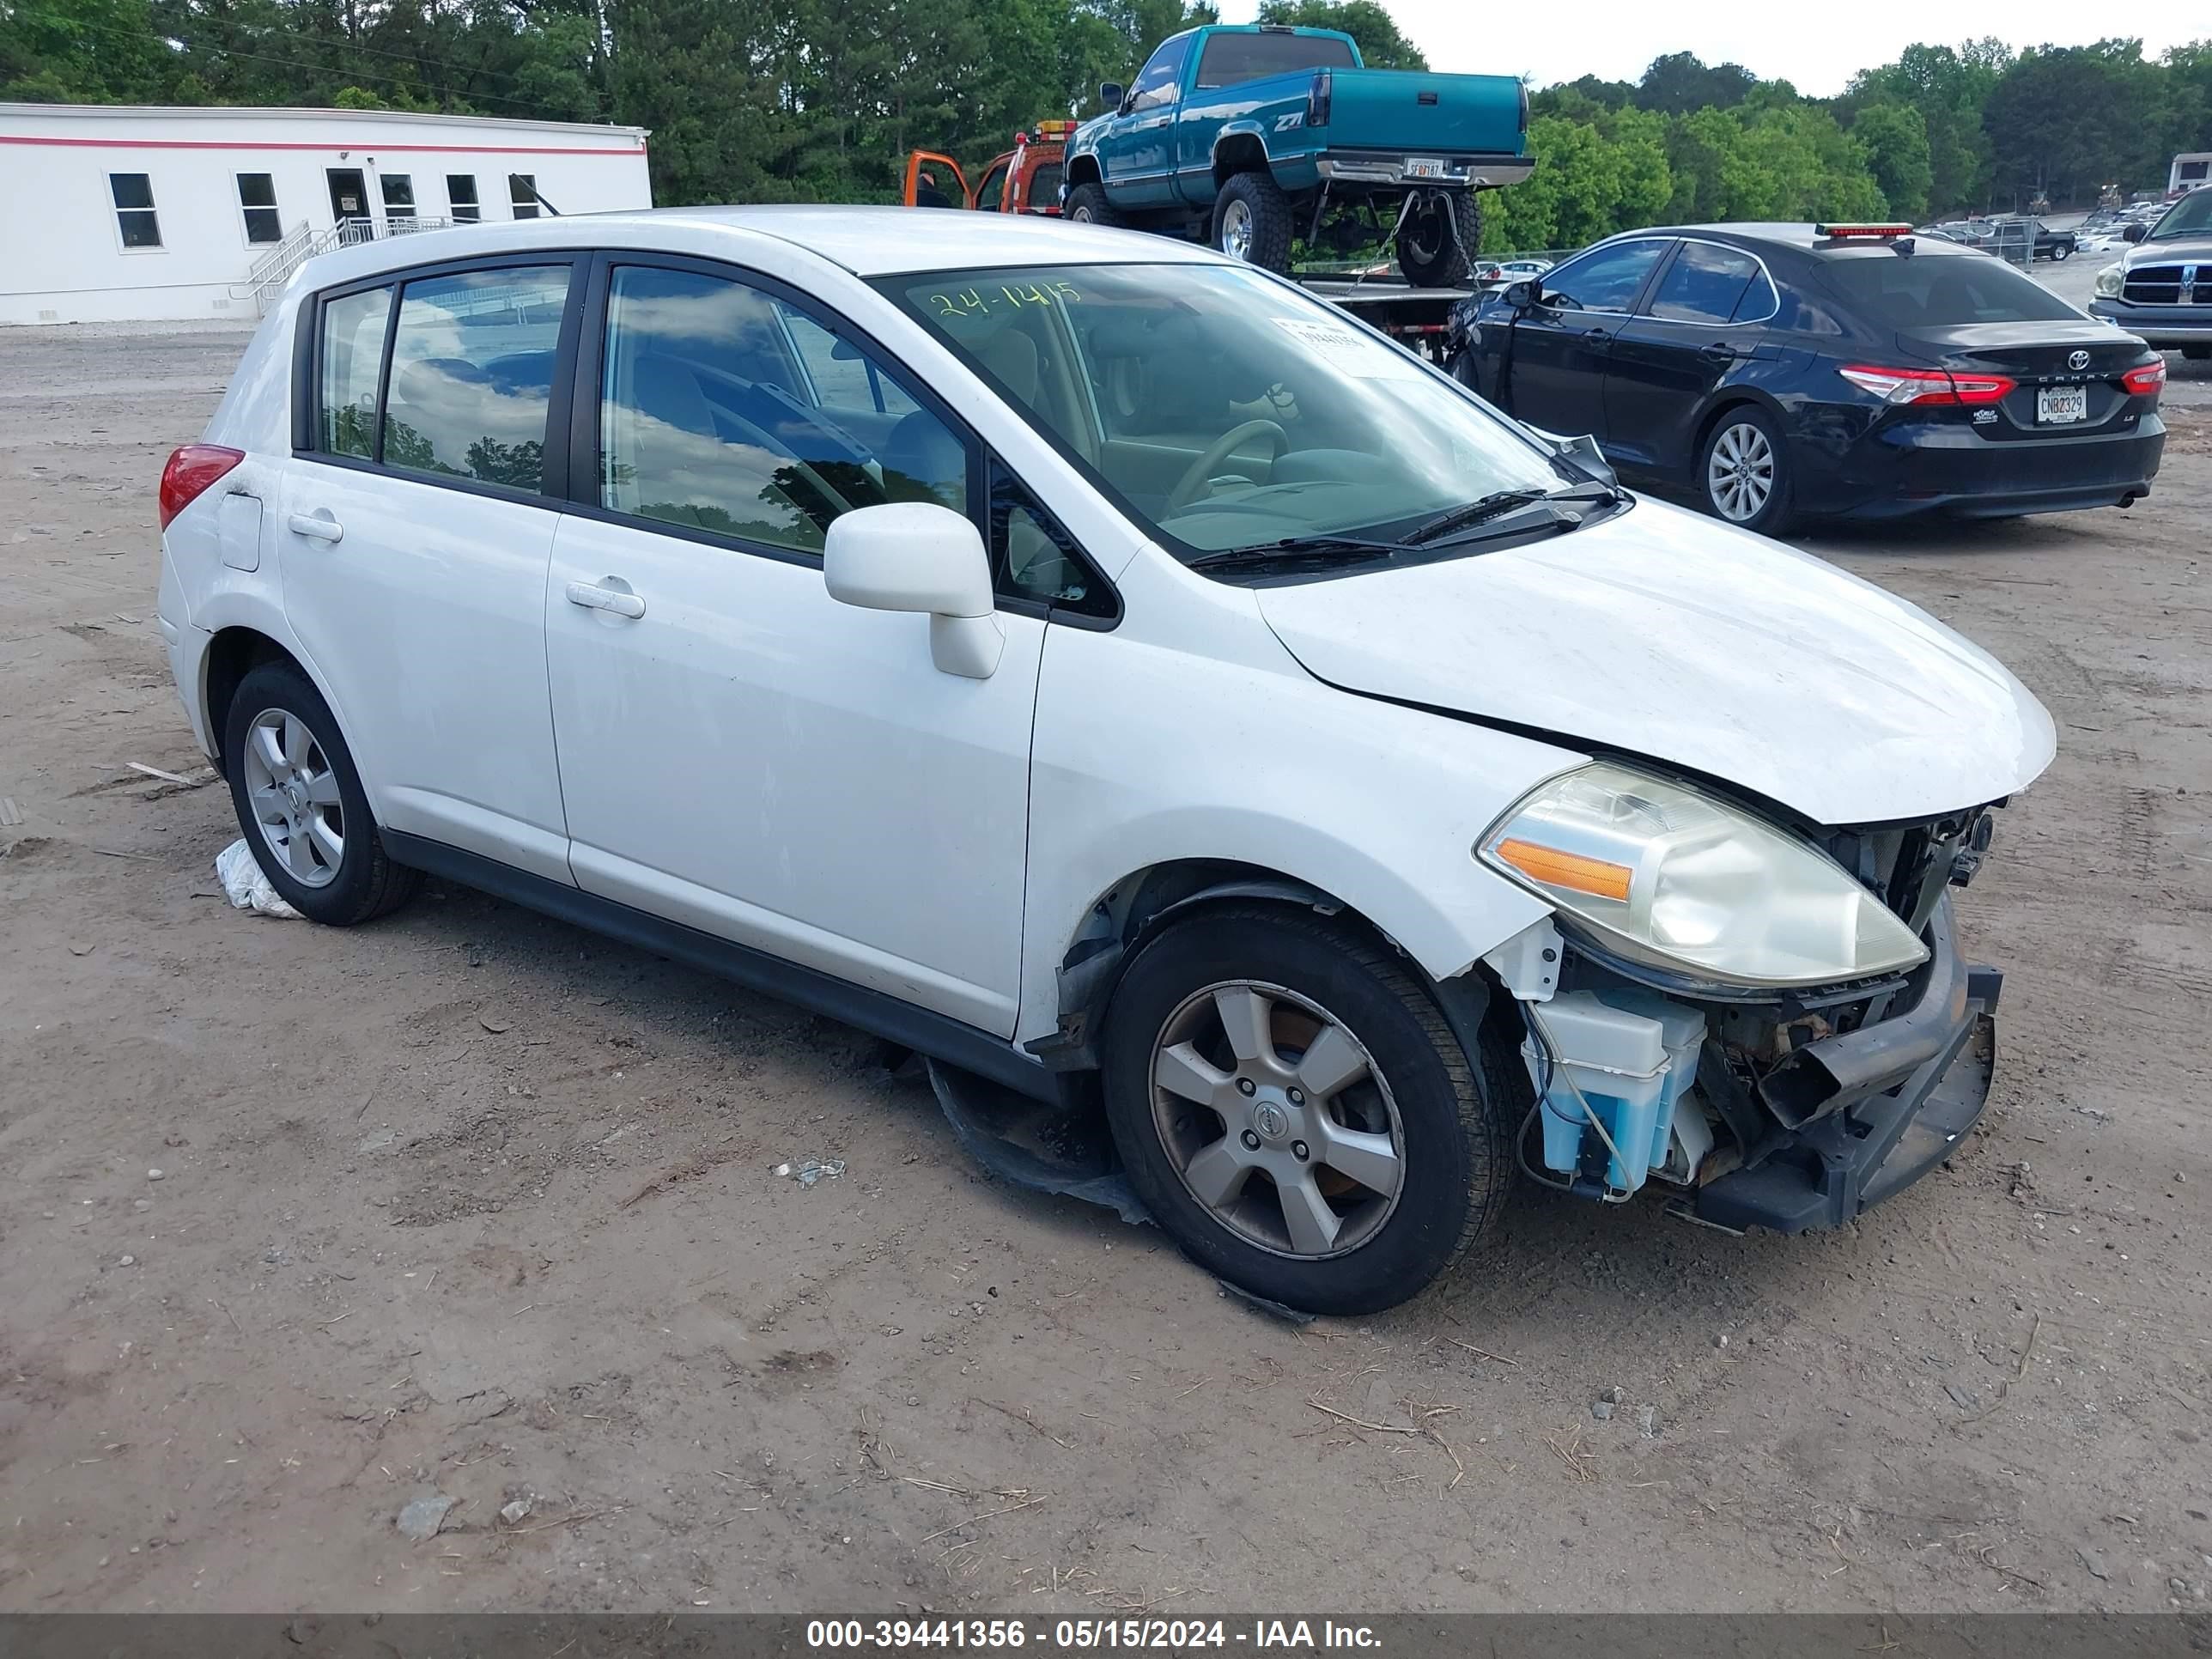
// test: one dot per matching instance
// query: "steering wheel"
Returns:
(1201, 470)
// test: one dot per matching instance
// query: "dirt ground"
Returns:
(471, 1203)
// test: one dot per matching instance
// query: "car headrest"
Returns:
(1012, 356)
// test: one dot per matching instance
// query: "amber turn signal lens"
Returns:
(1572, 870)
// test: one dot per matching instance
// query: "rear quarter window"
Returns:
(1903, 291)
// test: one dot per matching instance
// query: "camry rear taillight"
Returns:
(1927, 386)
(189, 471)
(2147, 378)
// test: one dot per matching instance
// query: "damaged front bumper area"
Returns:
(1844, 1121)
(1789, 1112)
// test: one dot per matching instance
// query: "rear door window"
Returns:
(1230, 58)
(1706, 284)
(1908, 292)
(472, 364)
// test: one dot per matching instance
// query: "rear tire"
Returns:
(300, 804)
(1351, 1156)
(1744, 472)
(1087, 205)
(1252, 220)
(1436, 244)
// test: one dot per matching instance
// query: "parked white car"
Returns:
(1104, 668)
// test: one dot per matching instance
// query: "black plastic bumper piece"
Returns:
(1874, 1145)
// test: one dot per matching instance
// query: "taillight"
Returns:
(1927, 386)
(2147, 378)
(189, 471)
(1317, 98)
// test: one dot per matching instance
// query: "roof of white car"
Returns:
(868, 241)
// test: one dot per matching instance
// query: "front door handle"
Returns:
(1599, 334)
(594, 598)
(318, 526)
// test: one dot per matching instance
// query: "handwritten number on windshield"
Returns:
(959, 304)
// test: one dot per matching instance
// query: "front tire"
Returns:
(1437, 242)
(1252, 220)
(1294, 1111)
(1087, 205)
(300, 804)
(1744, 472)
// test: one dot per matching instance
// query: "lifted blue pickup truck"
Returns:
(1254, 135)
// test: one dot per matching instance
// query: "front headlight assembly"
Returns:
(2111, 280)
(1665, 875)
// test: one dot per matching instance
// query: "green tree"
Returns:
(1895, 139)
(1382, 44)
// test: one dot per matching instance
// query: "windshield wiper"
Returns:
(1502, 502)
(1302, 549)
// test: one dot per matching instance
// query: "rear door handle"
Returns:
(1719, 352)
(594, 598)
(316, 527)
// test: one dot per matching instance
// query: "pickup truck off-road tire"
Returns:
(1294, 1107)
(1437, 242)
(1252, 220)
(1087, 205)
(300, 804)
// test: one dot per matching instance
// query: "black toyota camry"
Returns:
(1791, 371)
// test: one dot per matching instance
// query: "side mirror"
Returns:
(2134, 231)
(1522, 296)
(1111, 93)
(919, 556)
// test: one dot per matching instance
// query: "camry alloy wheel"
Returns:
(1277, 1119)
(1739, 473)
(293, 794)
(1236, 230)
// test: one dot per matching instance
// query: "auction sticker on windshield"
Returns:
(1349, 353)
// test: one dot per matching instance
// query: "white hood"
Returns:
(1666, 634)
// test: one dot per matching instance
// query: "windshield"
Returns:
(1942, 291)
(2190, 216)
(1223, 408)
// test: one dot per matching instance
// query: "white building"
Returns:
(134, 212)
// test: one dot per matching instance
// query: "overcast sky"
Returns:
(1817, 47)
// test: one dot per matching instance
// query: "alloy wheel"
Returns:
(1739, 473)
(293, 794)
(1236, 230)
(1277, 1119)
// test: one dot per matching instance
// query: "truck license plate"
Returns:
(1426, 166)
(2054, 405)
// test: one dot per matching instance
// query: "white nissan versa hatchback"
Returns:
(1106, 670)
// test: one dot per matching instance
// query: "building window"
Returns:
(461, 192)
(257, 199)
(399, 195)
(522, 194)
(134, 209)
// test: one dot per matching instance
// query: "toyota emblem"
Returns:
(2079, 360)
